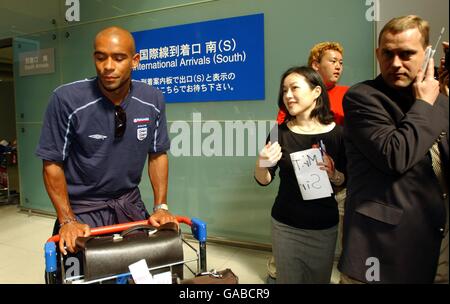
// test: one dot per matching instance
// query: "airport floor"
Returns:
(22, 237)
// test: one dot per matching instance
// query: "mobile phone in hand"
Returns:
(429, 52)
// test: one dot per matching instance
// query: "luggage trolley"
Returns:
(198, 229)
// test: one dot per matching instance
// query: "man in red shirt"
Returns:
(327, 59)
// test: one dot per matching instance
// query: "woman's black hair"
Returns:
(322, 109)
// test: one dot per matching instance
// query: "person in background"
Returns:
(442, 276)
(96, 137)
(443, 70)
(303, 231)
(396, 135)
(327, 59)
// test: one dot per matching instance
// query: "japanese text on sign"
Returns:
(207, 61)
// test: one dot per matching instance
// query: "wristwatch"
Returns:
(160, 206)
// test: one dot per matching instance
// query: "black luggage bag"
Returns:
(106, 256)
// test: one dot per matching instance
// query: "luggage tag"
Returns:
(163, 278)
(141, 274)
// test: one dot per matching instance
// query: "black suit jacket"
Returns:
(394, 210)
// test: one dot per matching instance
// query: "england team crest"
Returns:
(141, 133)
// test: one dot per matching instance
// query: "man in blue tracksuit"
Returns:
(94, 142)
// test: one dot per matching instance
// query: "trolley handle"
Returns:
(122, 227)
(198, 228)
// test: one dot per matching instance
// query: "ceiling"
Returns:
(22, 17)
(19, 17)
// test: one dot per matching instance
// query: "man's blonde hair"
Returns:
(403, 23)
(319, 50)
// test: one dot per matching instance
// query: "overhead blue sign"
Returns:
(207, 61)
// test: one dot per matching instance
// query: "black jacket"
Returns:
(394, 209)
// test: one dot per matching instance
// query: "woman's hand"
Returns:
(269, 155)
(327, 165)
(336, 178)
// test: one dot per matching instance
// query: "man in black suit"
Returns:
(395, 214)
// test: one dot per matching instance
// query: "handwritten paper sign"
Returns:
(313, 182)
